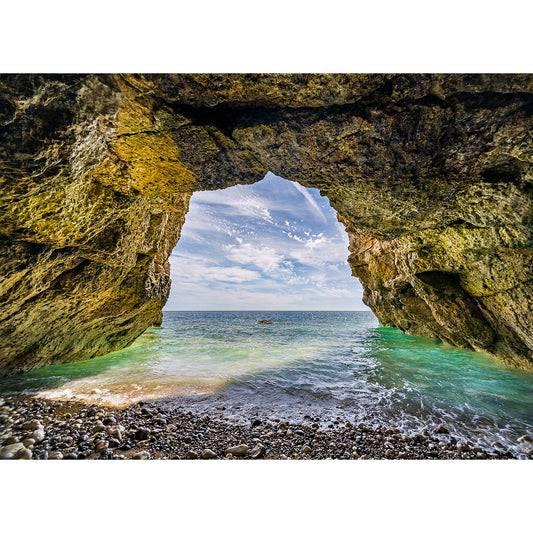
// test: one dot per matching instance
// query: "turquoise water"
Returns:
(321, 364)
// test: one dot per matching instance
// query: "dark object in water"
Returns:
(265, 322)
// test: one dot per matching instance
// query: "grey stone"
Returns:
(238, 451)
(38, 435)
(142, 455)
(258, 451)
(115, 432)
(208, 454)
(101, 446)
(11, 450)
(307, 449)
(98, 427)
(463, 447)
(23, 453)
(142, 434)
(55, 455)
(32, 425)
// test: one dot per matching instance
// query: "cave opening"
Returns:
(272, 245)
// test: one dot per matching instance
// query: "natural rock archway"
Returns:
(431, 174)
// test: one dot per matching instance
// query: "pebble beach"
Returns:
(40, 429)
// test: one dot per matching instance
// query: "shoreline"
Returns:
(46, 429)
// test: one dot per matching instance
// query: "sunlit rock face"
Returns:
(431, 174)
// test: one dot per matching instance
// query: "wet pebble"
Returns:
(55, 455)
(142, 434)
(32, 425)
(101, 446)
(38, 435)
(257, 451)
(11, 450)
(142, 455)
(206, 454)
(238, 451)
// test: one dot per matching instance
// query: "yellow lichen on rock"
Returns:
(431, 174)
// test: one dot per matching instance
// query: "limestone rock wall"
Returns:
(431, 174)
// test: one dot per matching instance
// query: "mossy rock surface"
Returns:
(431, 174)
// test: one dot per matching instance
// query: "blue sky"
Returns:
(274, 245)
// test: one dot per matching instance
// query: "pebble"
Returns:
(32, 425)
(463, 447)
(441, 428)
(38, 435)
(238, 451)
(24, 453)
(142, 455)
(191, 455)
(115, 432)
(101, 446)
(55, 455)
(144, 436)
(206, 454)
(98, 427)
(11, 450)
(525, 438)
(258, 451)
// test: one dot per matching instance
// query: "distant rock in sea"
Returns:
(265, 322)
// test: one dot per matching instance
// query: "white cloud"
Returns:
(265, 258)
(192, 271)
(310, 200)
(238, 199)
(261, 247)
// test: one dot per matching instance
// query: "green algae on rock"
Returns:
(431, 175)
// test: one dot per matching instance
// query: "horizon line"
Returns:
(265, 310)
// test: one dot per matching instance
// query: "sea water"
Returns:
(313, 363)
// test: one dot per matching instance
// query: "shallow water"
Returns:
(324, 364)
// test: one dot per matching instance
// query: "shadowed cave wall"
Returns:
(431, 175)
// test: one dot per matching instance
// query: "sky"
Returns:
(273, 245)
